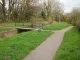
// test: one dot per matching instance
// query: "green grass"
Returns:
(5, 29)
(70, 47)
(56, 26)
(19, 46)
(17, 24)
(5, 26)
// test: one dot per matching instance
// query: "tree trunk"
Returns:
(3, 10)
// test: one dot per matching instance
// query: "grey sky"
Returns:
(69, 4)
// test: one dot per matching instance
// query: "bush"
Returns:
(43, 14)
(78, 24)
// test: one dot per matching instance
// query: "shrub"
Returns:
(43, 14)
(78, 24)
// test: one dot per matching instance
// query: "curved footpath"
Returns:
(48, 48)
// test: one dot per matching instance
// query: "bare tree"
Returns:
(24, 10)
(3, 3)
(53, 9)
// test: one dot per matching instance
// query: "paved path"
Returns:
(48, 48)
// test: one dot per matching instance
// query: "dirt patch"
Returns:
(6, 59)
(8, 33)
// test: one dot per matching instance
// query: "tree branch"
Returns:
(1, 3)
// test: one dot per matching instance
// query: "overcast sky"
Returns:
(69, 4)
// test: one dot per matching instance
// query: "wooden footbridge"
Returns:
(20, 30)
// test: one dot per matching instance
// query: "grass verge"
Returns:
(15, 24)
(56, 26)
(5, 29)
(70, 47)
(17, 47)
